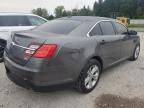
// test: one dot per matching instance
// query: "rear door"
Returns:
(110, 43)
(126, 42)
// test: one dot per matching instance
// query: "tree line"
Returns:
(103, 8)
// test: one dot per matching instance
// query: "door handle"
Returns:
(102, 42)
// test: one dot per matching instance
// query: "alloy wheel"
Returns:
(137, 51)
(92, 77)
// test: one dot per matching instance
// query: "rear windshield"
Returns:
(59, 26)
(14, 21)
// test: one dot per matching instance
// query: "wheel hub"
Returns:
(137, 52)
(92, 78)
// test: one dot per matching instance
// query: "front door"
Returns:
(110, 44)
(127, 45)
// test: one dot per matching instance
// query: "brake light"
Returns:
(45, 51)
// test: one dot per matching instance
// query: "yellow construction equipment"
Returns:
(124, 20)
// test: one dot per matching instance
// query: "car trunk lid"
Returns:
(19, 43)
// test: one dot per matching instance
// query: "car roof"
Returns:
(19, 14)
(14, 13)
(85, 18)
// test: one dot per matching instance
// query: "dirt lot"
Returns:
(113, 101)
(125, 80)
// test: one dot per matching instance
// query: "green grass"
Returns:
(136, 26)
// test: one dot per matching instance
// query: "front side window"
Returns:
(14, 21)
(107, 28)
(120, 28)
(59, 26)
(96, 31)
(36, 21)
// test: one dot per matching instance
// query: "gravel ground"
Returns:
(125, 79)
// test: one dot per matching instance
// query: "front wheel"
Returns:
(89, 76)
(135, 53)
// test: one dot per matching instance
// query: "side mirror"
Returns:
(132, 32)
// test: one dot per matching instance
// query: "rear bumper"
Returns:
(31, 79)
(19, 80)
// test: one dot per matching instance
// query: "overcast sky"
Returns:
(28, 5)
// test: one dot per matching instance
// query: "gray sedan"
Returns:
(70, 50)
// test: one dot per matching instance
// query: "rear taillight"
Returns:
(44, 51)
(31, 49)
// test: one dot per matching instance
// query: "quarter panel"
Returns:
(71, 57)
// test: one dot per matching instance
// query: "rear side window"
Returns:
(36, 21)
(96, 31)
(120, 28)
(107, 28)
(14, 21)
(59, 26)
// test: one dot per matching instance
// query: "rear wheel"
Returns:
(135, 53)
(89, 76)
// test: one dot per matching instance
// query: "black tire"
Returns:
(80, 84)
(1, 60)
(1, 56)
(134, 58)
